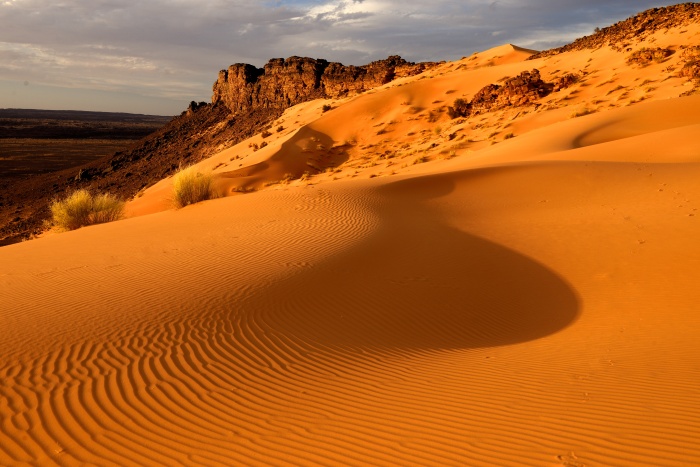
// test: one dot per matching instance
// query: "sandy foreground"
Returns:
(530, 302)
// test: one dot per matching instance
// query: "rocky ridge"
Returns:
(620, 35)
(282, 83)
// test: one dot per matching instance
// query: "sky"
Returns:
(155, 56)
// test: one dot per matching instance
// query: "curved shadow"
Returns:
(418, 283)
(591, 136)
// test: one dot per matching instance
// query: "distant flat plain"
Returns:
(41, 141)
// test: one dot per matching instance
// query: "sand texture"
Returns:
(515, 288)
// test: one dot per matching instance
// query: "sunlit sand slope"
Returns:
(533, 302)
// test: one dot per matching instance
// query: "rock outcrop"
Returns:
(565, 81)
(691, 64)
(282, 83)
(524, 89)
(645, 56)
(621, 35)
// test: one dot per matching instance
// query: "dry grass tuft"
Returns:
(191, 186)
(81, 208)
(106, 208)
(581, 112)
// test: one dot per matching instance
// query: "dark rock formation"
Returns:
(621, 35)
(565, 81)
(286, 82)
(521, 90)
(691, 68)
(645, 56)
(280, 84)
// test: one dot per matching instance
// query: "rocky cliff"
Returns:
(282, 83)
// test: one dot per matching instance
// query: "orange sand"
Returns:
(530, 302)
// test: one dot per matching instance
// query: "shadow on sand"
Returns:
(417, 283)
(307, 151)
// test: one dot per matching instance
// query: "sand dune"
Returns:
(530, 302)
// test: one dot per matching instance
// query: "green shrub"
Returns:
(81, 208)
(191, 186)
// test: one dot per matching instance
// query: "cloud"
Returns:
(172, 49)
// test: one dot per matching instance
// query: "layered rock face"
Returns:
(286, 82)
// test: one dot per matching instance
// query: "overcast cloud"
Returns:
(157, 55)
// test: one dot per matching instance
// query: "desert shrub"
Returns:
(81, 208)
(106, 208)
(195, 106)
(326, 108)
(460, 108)
(617, 88)
(420, 160)
(265, 134)
(581, 112)
(72, 212)
(191, 186)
